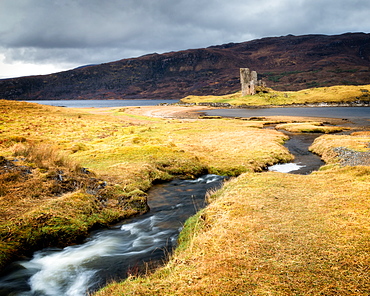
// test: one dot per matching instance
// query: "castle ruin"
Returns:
(249, 81)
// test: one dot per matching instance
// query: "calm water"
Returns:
(101, 103)
(361, 114)
(330, 112)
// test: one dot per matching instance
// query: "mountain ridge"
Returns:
(284, 63)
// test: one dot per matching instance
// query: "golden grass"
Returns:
(309, 127)
(338, 93)
(272, 234)
(44, 156)
(262, 234)
(47, 199)
(362, 133)
(52, 144)
(333, 94)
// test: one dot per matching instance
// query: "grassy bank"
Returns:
(335, 94)
(275, 234)
(272, 234)
(64, 171)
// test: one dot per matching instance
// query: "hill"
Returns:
(285, 63)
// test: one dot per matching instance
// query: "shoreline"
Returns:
(196, 112)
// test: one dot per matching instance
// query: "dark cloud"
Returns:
(76, 32)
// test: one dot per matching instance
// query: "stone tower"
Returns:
(248, 80)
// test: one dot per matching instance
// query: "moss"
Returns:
(191, 227)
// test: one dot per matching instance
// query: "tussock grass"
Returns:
(45, 156)
(334, 94)
(272, 234)
(47, 199)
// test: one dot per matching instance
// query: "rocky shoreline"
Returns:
(350, 157)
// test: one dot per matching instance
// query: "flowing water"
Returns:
(304, 162)
(116, 252)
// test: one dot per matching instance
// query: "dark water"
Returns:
(304, 162)
(116, 252)
(101, 103)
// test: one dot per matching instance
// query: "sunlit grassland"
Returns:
(333, 94)
(272, 234)
(262, 234)
(51, 200)
(275, 234)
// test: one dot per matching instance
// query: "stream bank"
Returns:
(114, 253)
(305, 162)
(130, 248)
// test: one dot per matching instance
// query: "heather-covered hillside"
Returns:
(285, 63)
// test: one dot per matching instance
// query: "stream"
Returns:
(114, 253)
(138, 244)
(304, 162)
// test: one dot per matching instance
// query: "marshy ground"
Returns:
(263, 233)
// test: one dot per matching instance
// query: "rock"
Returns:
(350, 157)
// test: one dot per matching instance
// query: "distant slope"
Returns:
(285, 63)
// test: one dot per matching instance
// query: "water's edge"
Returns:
(135, 244)
(114, 253)
(305, 162)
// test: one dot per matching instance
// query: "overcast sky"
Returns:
(45, 36)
